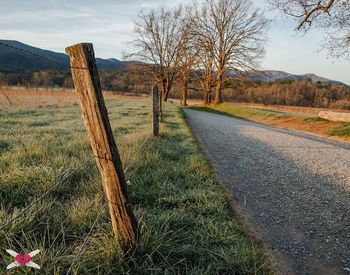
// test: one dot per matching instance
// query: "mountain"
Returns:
(272, 76)
(17, 55)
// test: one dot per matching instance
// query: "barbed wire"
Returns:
(59, 182)
(35, 54)
(67, 176)
(67, 66)
(100, 211)
(101, 208)
(87, 236)
(72, 172)
(45, 194)
(136, 154)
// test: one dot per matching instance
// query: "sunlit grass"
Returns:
(343, 130)
(340, 129)
(186, 222)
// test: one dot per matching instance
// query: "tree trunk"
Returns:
(160, 107)
(165, 97)
(207, 96)
(218, 88)
(165, 90)
(183, 100)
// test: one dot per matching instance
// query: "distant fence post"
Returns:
(87, 84)
(155, 110)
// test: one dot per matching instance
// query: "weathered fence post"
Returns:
(155, 110)
(87, 84)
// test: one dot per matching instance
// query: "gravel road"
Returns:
(294, 188)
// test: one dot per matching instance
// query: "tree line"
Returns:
(293, 92)
(189, 51)
(128, 80)
(123, 80)
(200, 42)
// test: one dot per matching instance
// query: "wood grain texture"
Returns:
(87, 85)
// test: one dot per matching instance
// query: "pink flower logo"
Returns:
(23, 259)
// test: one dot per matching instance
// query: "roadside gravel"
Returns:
(294, 188)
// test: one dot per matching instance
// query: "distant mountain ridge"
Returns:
(23, 56)
(273, 76)
(13, 58)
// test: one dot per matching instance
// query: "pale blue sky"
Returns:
(55, 24)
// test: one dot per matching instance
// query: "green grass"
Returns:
(315, 119)
(341, 129)
(186, 222)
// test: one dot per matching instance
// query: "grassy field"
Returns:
(186, 222)
(22, 97)
(303, 122)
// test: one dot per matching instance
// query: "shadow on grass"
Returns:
(211, 110)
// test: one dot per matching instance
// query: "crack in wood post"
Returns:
(95, 116)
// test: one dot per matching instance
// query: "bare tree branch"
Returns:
(232, 35)
(332, 16)
(158, 40)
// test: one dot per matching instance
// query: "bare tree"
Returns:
(332, 16)
(158, 40)
(207, 75)
(184, 70)
(203, 40)
(187, 53)
(234, 31)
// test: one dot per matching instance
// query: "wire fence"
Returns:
(87, 237)
(52, 61)
(101, 208)
(58, 183)
(56, 66)
(44, 195)
(63, 180)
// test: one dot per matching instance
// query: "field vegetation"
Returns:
(129, 81)
(186, 221)
(15, 96)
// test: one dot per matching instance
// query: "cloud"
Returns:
(109, 24)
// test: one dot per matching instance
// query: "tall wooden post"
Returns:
(155, 110)
(87, 84)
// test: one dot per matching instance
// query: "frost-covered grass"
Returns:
(186, 222)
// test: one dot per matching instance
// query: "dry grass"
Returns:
(300, 124)
(23, 97)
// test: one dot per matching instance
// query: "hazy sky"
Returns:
(55, 24)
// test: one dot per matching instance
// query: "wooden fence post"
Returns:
(155, 110)
(87, 84)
